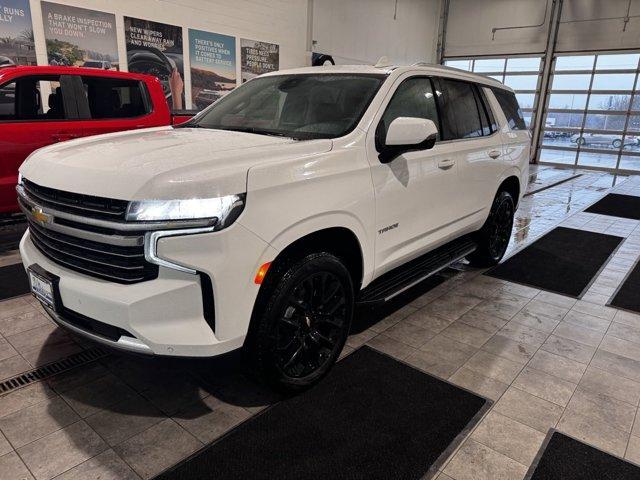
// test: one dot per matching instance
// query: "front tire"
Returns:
(493, 238)
(304, 321)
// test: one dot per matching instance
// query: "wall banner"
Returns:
(213, 66)
(156, 49)
(258, 58)
(16, 33)
(80, 37)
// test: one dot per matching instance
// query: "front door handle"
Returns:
(494, 153)
(446, 164)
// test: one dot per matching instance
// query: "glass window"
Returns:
(571, 82)
(598, 121)
(521, 82)
(564, 120)
(318, 105)
(581, 62)
(23, 98)
(526, 100)
(591, 159)
(461, 64)
(613, 81)
(413, 98)
(568, 101)
(8, 101)
(523, 64)
(558, 138)
(628, 162)
(609, 102)
(115, 98)
(460, 116)
(558, 156)
(489, 65)
(511, 109)
(624, 61)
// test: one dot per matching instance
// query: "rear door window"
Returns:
(461, 112)
(111, 98)
(511, 109)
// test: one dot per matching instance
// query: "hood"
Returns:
(161, 163)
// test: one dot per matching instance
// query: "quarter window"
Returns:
(511, 109)
(115, 98)
(413, 98)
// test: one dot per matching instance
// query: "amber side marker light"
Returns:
(262, 272)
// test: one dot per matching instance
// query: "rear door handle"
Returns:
(494, 153)
(446, 164)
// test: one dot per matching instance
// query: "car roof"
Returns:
(426, 69)
(61, 70)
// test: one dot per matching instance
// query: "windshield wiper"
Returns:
(256, 131)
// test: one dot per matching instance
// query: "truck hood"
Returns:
(161, 163)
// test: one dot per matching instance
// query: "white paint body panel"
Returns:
(293, 188)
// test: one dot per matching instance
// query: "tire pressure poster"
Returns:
(156, 49)
(80, 37)
(16, 33)
(258, 58)
(213, 66)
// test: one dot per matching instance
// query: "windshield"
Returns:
(297, 106)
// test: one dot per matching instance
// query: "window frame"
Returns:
(68, 98)
(84, 111)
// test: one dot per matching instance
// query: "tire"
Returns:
(581, 141)
(493, 238)
(302, 323)
(617, 143)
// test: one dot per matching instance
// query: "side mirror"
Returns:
(406, 134)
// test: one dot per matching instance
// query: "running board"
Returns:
(402, 278)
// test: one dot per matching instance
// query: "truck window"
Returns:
(460, 112)
(413, 98)
(511, 109)
(115, 97)
(22, 98)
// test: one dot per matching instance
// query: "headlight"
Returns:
(222, 211)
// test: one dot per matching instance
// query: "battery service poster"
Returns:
(213, 66)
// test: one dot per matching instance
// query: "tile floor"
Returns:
(546, 360)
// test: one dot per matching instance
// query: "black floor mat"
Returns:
(372, 417)
(13, 281)
(616, 205)
(628, 295)
(564, 458)
(563, 261)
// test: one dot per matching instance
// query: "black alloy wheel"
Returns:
(310, 327)
(493, 238)
(302, 320)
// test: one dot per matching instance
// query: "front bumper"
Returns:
(165, 316)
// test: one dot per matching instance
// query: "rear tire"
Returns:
(493, 238)
(301, 327)
(617, 143)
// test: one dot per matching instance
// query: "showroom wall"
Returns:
(361, 31)
(281, 22)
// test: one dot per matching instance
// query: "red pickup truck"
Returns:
(43, 105)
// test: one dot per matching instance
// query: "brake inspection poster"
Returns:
(258, 58)
(16, 33)
(156, 49)
(213, 66)
(80, 37)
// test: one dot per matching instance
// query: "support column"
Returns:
(552, 36)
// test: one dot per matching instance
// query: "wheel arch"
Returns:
(511, 184)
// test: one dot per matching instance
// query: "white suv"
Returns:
(263, 221)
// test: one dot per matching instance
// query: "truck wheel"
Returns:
(493, 238)
(304, 322)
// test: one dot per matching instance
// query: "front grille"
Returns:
(110, 262)
(77, 203)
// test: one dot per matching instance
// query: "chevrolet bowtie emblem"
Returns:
(39, 216)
